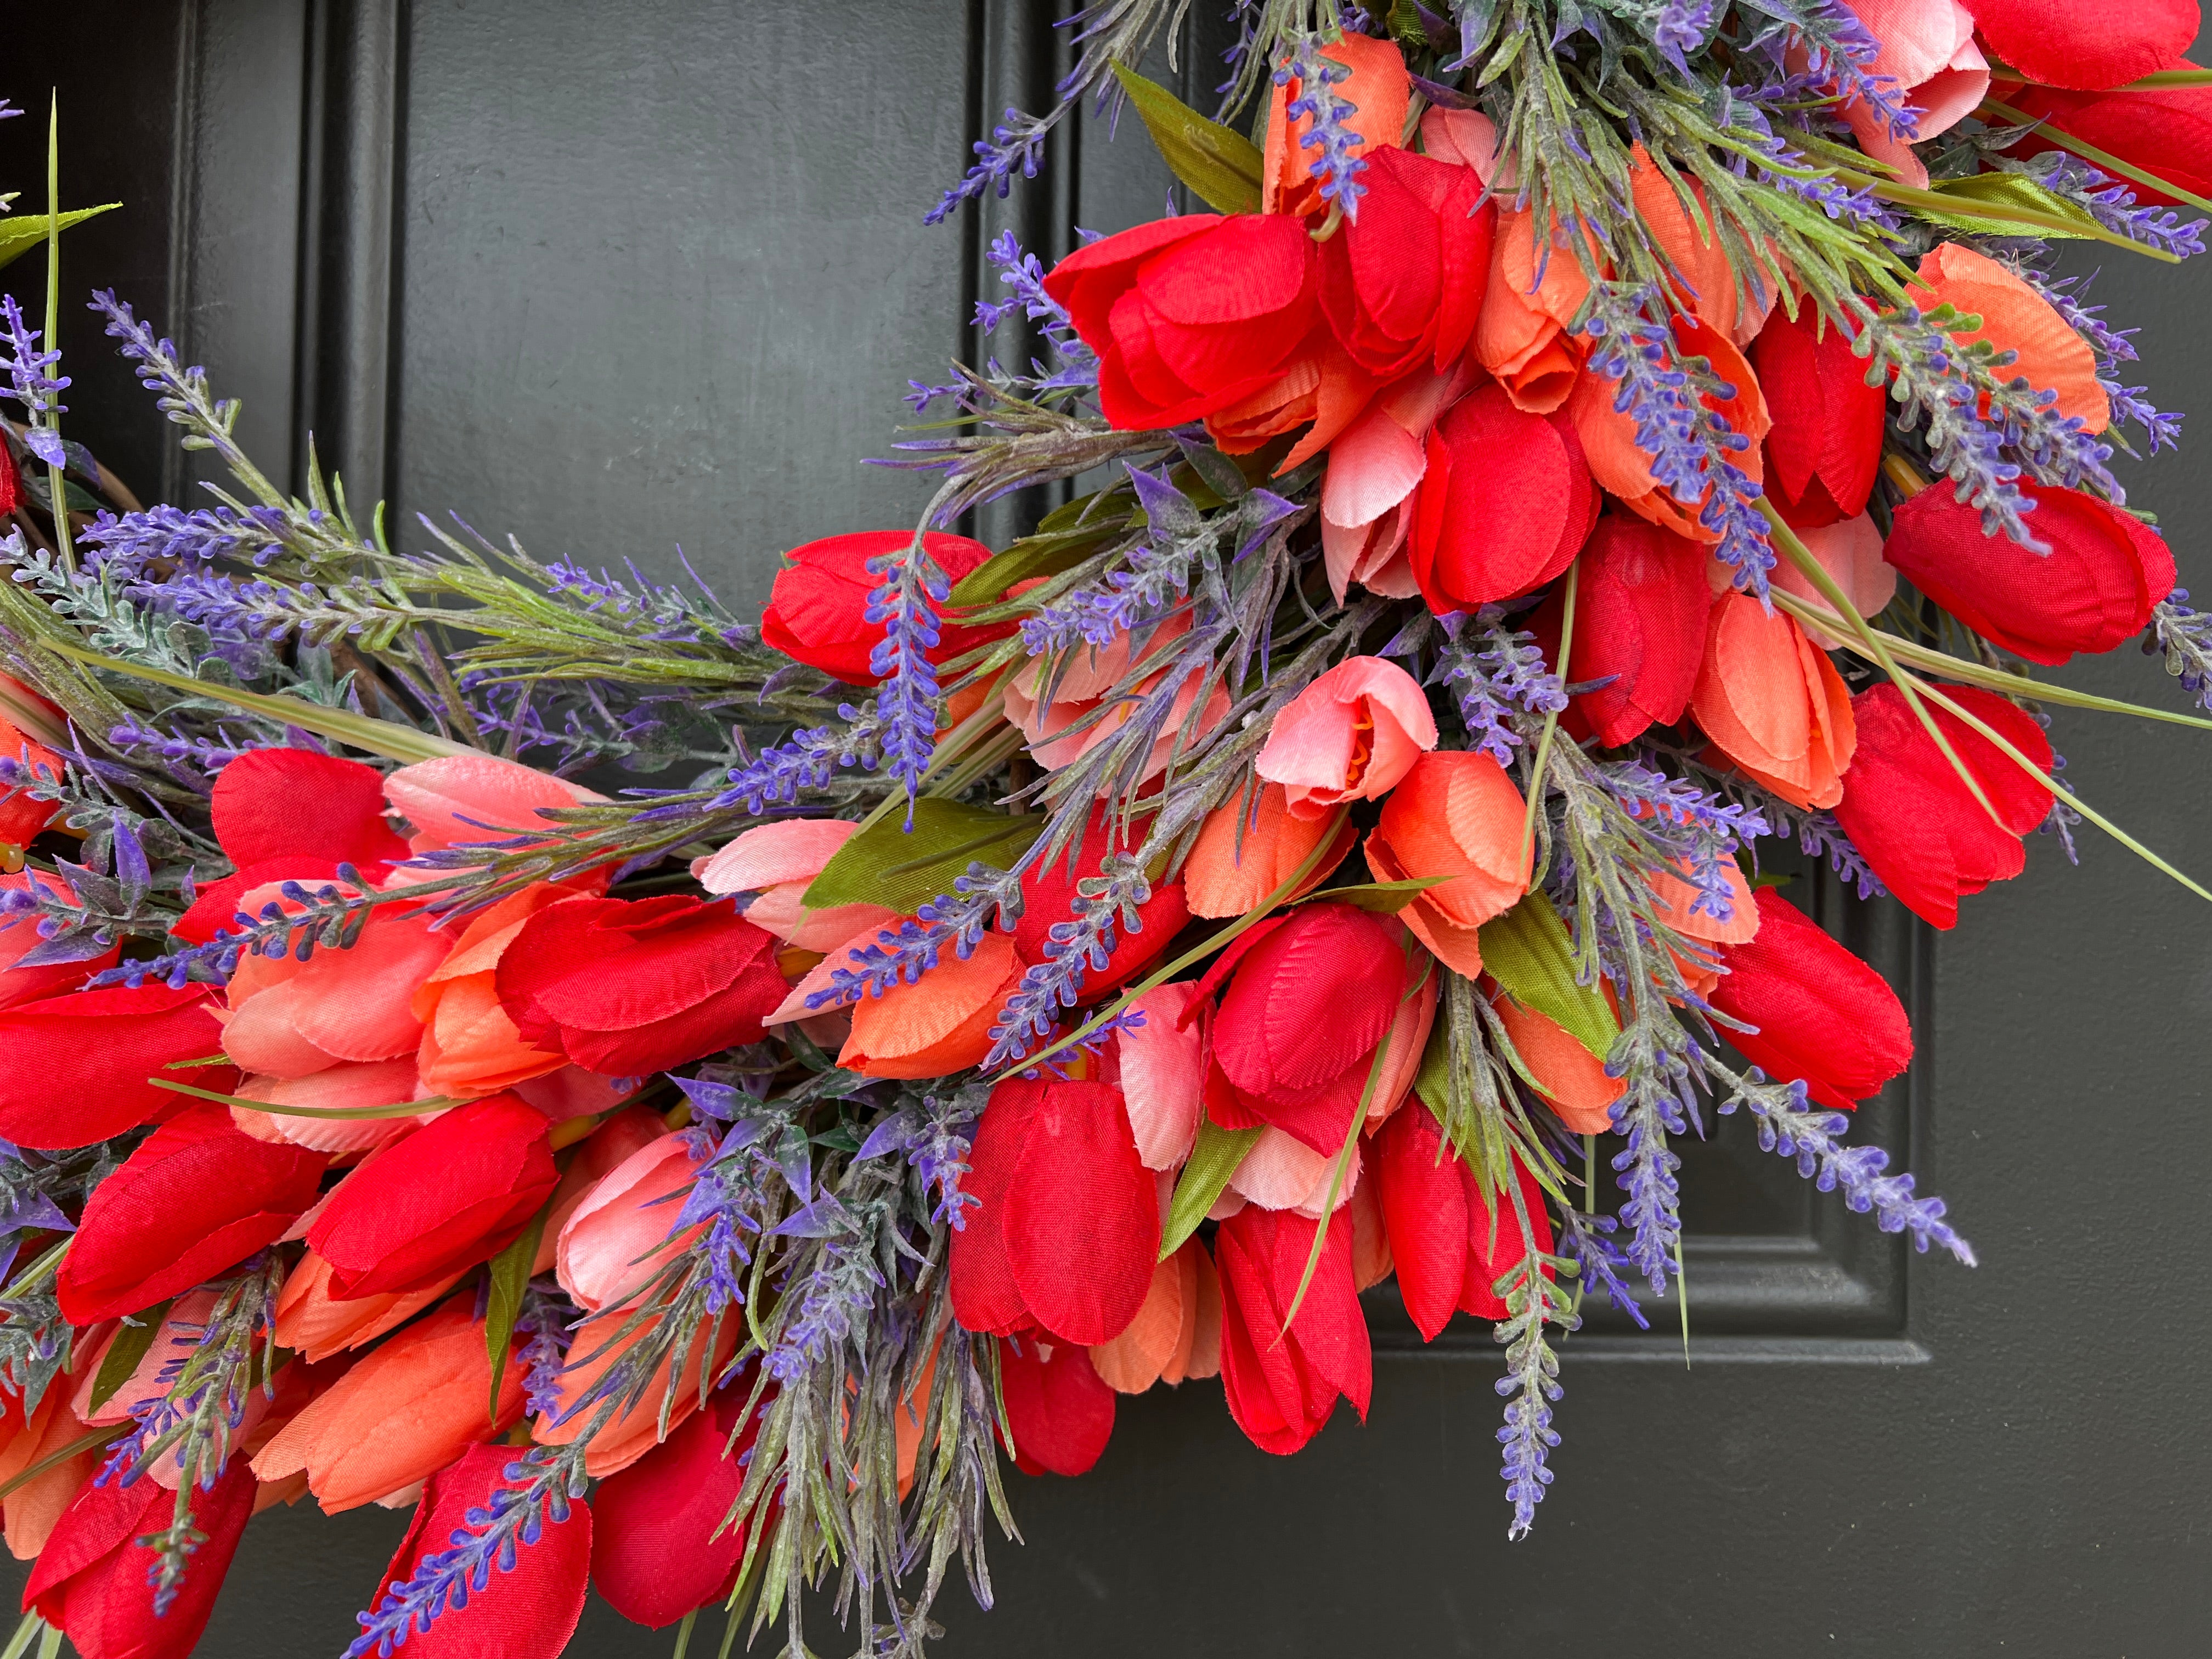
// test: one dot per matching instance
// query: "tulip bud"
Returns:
(1825, 446)
(658, 1548)
(1451, 1239)
(818, 606)
(2088, 47)
(1773, 703)
(2051, 356)
(1282, 1374)
(1816, 1012)
(80, 1063)
(1456, 814)
(1641, 606)
(1350, 735)
(1505, 505)
(1400, 286)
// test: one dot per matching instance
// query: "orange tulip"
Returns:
(1320, 385)
(1378, 88)
(33, 1507)
(939, 1025)
(1519, 337)
(1705, 283)
(1458, 815)
(1571, 1078)
(1618, 461)
(289, 1018)
(316, 1324)
(2014, 317)
(470, 1047)
(400, 1415)
(1176, 1333)
(1773, 704)
(1245, 852)
(629, 1434)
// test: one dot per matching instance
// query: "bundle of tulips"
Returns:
(1581, 445)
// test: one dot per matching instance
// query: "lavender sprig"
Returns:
(1335, 163)
(909, 701)
(1838, 47)
(543, 1322)
(181, 392)
(1506, 679)
(541, 1484)
(329, 917)
(1104, 905)
(805, 760)
(935, 1134)
(1658, 1101)
(1587, 1240)
(1812, 1136)
(33, 383)
(956, 919)
(1703, 830)
(1533, 1301)
(836, 1293)
(2182, 636)
(131, 541)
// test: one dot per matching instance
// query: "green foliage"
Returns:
(1221, 166)
(1526, 950)
(509, 1275)
(1213, 1159)
(20, 233)
(887, 864)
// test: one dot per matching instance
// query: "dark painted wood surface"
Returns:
(620, 279)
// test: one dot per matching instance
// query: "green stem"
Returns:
(2112, 164)
(57, 473)
(1551, 721)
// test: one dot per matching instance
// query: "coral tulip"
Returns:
(79, 1064)
(469, 1046)
(1773, 704)
(1350, 735)
(1506, 503)
(658, 1548)
(1451, 1239)
(315, 1323)
(1060, 1413)
(1851, 552)
(453, 1192)
(1456, 814)
(1401, 285)
(1380, 92)
(23, 815)
(1815, 1010)
(1066, 1226)
(1705, 283)
(818, 606)
(778, 862)
(1092, 693)
(939, 1025)
(1534, 295)
(1920, 827)
(1641, 607)
(341, 1087)
(1245, 852)
(36, 1506)
(401, 1413)
(2090, 47)
(1307, 1006)
(1572, 1080)
(459, 800)
(528, 1611)
(600, 1344)
(1824, 445)
(1176, 1335)
(625, 986)
(2051, 356)
(590, 1161)
(93, 1580)
(1191, 314)
(1159, 1067)
(609, 1247)
(196, 1198)
(290, 1019)
(1927, 47)
(1283, 1374)
(2094, 590)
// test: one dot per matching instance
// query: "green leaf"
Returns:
(20, 234)
(1526, 950)
(2005, 190)
(510, 1277)
(1221, 164)
(887, 864)
(1385, 898)
(130, 1346)
(1046, 553)
(1213, 1159)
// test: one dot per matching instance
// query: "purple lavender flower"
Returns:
(805, 760)
(1703, 830)
(33, 384)
(2184, 637)
(907, 701)
(1493, 685)
(331, 916)
(936, 1137)
(1335, 165)
(1104, 904)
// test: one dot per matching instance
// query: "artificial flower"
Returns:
(1641, 606)
(937, 1024)
(1050, 893)
(1374, 469)
(20, 936)
(469, 1046)
(1851, 553)
(1533, 295)
(1806, 1007)
(2093, 47)
(1176, 1335)
(658, 1548)
(314, 1323)
(625, 986)
(81, 1065)
(196, 1197)
(1904, 806)
(1245, 852)
(618, 1240)
(1451, 1238)
(1824, 445)
(1379, 90)
(2165, 130)
(777, 863)
(2092, 590)
(1506, 502)
(1733, 305)
(1283, 1372)
(1774, 704)
(1350, 735)
(1458, 816)
(818, 606)
(461, 800)
(1067, 706)
(289, 1018)
(1159, 1065)
(1400, 286)
(1572, 1080)
(1060, 1413)
(2050, 355)
(1927, 50)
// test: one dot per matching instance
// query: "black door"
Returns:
(620, 278)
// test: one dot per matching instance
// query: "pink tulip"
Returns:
(344, 1086)
(1161, 1071)
(1079, 692)
(1281, 1172)
(1927, 48)
(288, 1018)
(609, 1247)
(451, 800)
(1373, 471)
(779, 861)
(1851, 552)
(1468, 137)
(1351, 735)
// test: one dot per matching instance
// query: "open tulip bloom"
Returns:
(1535, 483)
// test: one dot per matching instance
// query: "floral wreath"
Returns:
(1578, 445)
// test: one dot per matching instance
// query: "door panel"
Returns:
(620, 279)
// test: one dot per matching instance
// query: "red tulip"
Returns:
(1818, 1013)
(2165, 130)
(1307, 1006)
(1641, 606)
(91, 1580)
(1068, 1223)
(1189, 315)
(1060, 1413)
(453, 1192)
(79, 1064)
(198, 1196)
(1505, 505)
(658, 1548)
(2063, 43)
(1825, 446)
(627, 987)
(18, 936)
(2092, 590)
(291, 815)
(1401, 285)
(1451, 1240)
(1284, 1375)
(1915, 821)
(528, 1612)
(817, 608)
